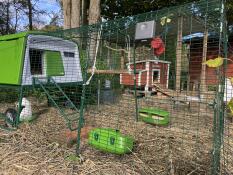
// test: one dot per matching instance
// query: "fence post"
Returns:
(135, 83)
(220, 105)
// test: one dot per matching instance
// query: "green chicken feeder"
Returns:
(110, 140)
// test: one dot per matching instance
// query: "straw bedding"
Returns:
(183, 147)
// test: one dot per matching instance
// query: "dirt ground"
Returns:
(183, 147)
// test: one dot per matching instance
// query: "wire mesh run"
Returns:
(150, 88)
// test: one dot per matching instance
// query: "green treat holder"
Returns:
(110, 140)
(154, 116)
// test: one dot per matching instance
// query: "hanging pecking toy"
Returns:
(158, 46)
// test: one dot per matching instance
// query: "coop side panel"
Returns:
(143, 78)
(72, 68)
(11, 61)
(128, 80)
(139, 66)
(229, 72)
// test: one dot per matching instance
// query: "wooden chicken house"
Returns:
(148, 72)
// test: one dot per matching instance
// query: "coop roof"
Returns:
(19, 35)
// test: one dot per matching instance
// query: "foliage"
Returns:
(53, 24)
(217, 62)
(229, 12)
(117, 8)
(212, 87)
(112, 9)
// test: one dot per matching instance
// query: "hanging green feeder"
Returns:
(154, 116)
(110, 140)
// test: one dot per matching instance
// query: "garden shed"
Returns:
(196, 57)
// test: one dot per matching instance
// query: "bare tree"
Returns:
(5, 17)
(29, 3)
(30, 9)
(16, 10)
(8, 17)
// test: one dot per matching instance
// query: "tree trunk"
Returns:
(179, 52)
(75, 13)
(84, 12)
(30, 15)
(94, 11)
(203, 87)
(94, 16)
(67, 13)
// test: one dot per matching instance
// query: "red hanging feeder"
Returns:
(158, 46)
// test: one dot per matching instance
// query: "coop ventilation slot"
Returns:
(69, 54)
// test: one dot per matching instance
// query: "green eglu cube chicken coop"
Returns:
(33, 59)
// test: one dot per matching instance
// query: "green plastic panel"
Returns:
(11, 61)
(20, 35)
(110, 140)
(54, 63)
(154, 116)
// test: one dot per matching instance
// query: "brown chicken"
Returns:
(71, 136)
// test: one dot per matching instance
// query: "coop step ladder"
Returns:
(60, 100)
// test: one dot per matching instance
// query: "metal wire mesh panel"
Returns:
(147, 88)
(9, 98)
(226, 153)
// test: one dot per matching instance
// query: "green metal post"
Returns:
(81, 121)
(220, 106)
(135, 83)
(19, 106)
(81, 116)
(225, 50)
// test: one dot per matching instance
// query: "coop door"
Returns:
(54, 63)
(156, 76)
(36, 61)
